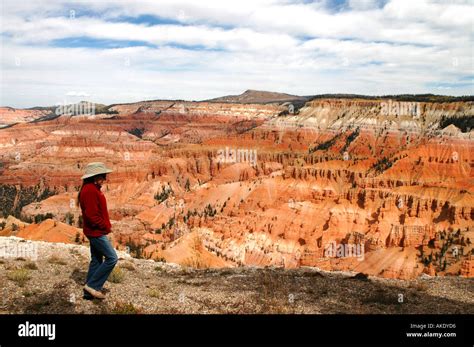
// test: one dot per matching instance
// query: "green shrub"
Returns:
(54, 259)
(30, 265)
(163, 195)
(128, 266)
(154, 293)
(116, 276)
(124, 308)
(19, 276)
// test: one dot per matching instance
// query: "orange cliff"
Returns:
(48, 230)
(335, 170)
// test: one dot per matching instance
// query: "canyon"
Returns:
(390, 175)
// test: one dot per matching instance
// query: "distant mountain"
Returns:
(397, 97)
(10, 116)
(259, 97)
(264, 97)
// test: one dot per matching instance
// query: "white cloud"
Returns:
(77, 94)
(294, 47)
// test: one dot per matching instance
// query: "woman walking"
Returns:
(96, 225)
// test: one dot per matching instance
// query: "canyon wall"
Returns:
(342, 184)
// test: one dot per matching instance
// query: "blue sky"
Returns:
(117, 51)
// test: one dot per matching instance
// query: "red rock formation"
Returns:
(9, 115)
(335, 171)
(48, 230)
(467, 268)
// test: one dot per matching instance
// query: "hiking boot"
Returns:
(87, 296)
(94, 293)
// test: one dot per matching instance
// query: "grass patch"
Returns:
(29, 293)
(128, 266)
(380, 297)
(116, 276)
(124, 308)
(54, 259)
(30, 265)
(419, 286)
(19, 276)
(154, 293)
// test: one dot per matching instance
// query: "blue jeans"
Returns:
(99, 270)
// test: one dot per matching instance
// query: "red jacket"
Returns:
(95, 217)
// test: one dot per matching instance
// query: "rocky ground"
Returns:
(51, 281)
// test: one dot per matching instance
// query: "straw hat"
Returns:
(93, 169)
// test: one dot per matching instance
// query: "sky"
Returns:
(55, 52)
